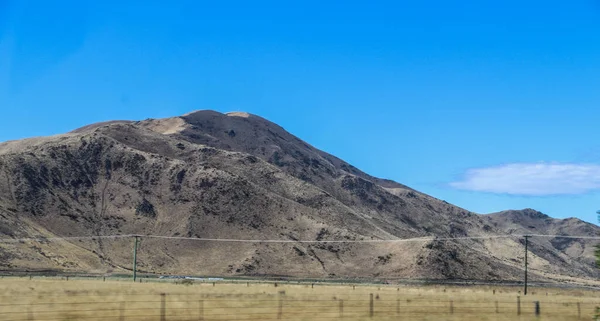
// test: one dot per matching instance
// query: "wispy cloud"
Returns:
(535, 179)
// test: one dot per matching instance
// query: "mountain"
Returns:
(559, 252)
(238, 176)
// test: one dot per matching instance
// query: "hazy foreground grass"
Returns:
(45, 300)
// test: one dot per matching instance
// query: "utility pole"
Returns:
(135, 248)
(526, 245)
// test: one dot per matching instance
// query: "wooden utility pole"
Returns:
(526, 250)
(135, 248)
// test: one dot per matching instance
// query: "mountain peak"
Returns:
(532, 213)
(524, 213)
(239, 114)
(210, 112)
(200, 111)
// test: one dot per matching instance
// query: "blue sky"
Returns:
(489, 105)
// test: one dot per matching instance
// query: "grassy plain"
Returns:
(45, 299)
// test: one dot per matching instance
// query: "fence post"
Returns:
(537, 308)
(518, 305)
(341, 309)
(280, 309)
(201, 310)
(451, 307)
(122, 312)
(578, 311)
(397, 307)
(371, 305)
(163, 314)
(497, 307)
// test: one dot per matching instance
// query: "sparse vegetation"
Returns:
(186, 282)
(384, 259)
(145, 208)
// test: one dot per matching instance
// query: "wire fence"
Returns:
(286, 306)
(256, 298)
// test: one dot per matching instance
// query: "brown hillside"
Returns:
(236, 175)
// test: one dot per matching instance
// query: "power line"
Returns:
(418, 239)
(564, 236)
(66, 238)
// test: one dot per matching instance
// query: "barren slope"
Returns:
(213, 175)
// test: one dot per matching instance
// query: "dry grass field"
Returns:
(43, 299)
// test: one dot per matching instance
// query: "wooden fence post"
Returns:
(518, 305)
(122, 312)
(163, 307)
(497, 307)
(397, 307)
(341, 309)
(578, 311)
(280, 309)
(371, 305)
(537, 308)
(201, 310)
(451, 307)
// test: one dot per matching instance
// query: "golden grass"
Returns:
(50, 299)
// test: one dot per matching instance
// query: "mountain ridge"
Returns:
(212, 175)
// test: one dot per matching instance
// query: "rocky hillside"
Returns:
(558, 252)
(213, 175)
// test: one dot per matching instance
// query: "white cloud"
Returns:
(535, 179)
